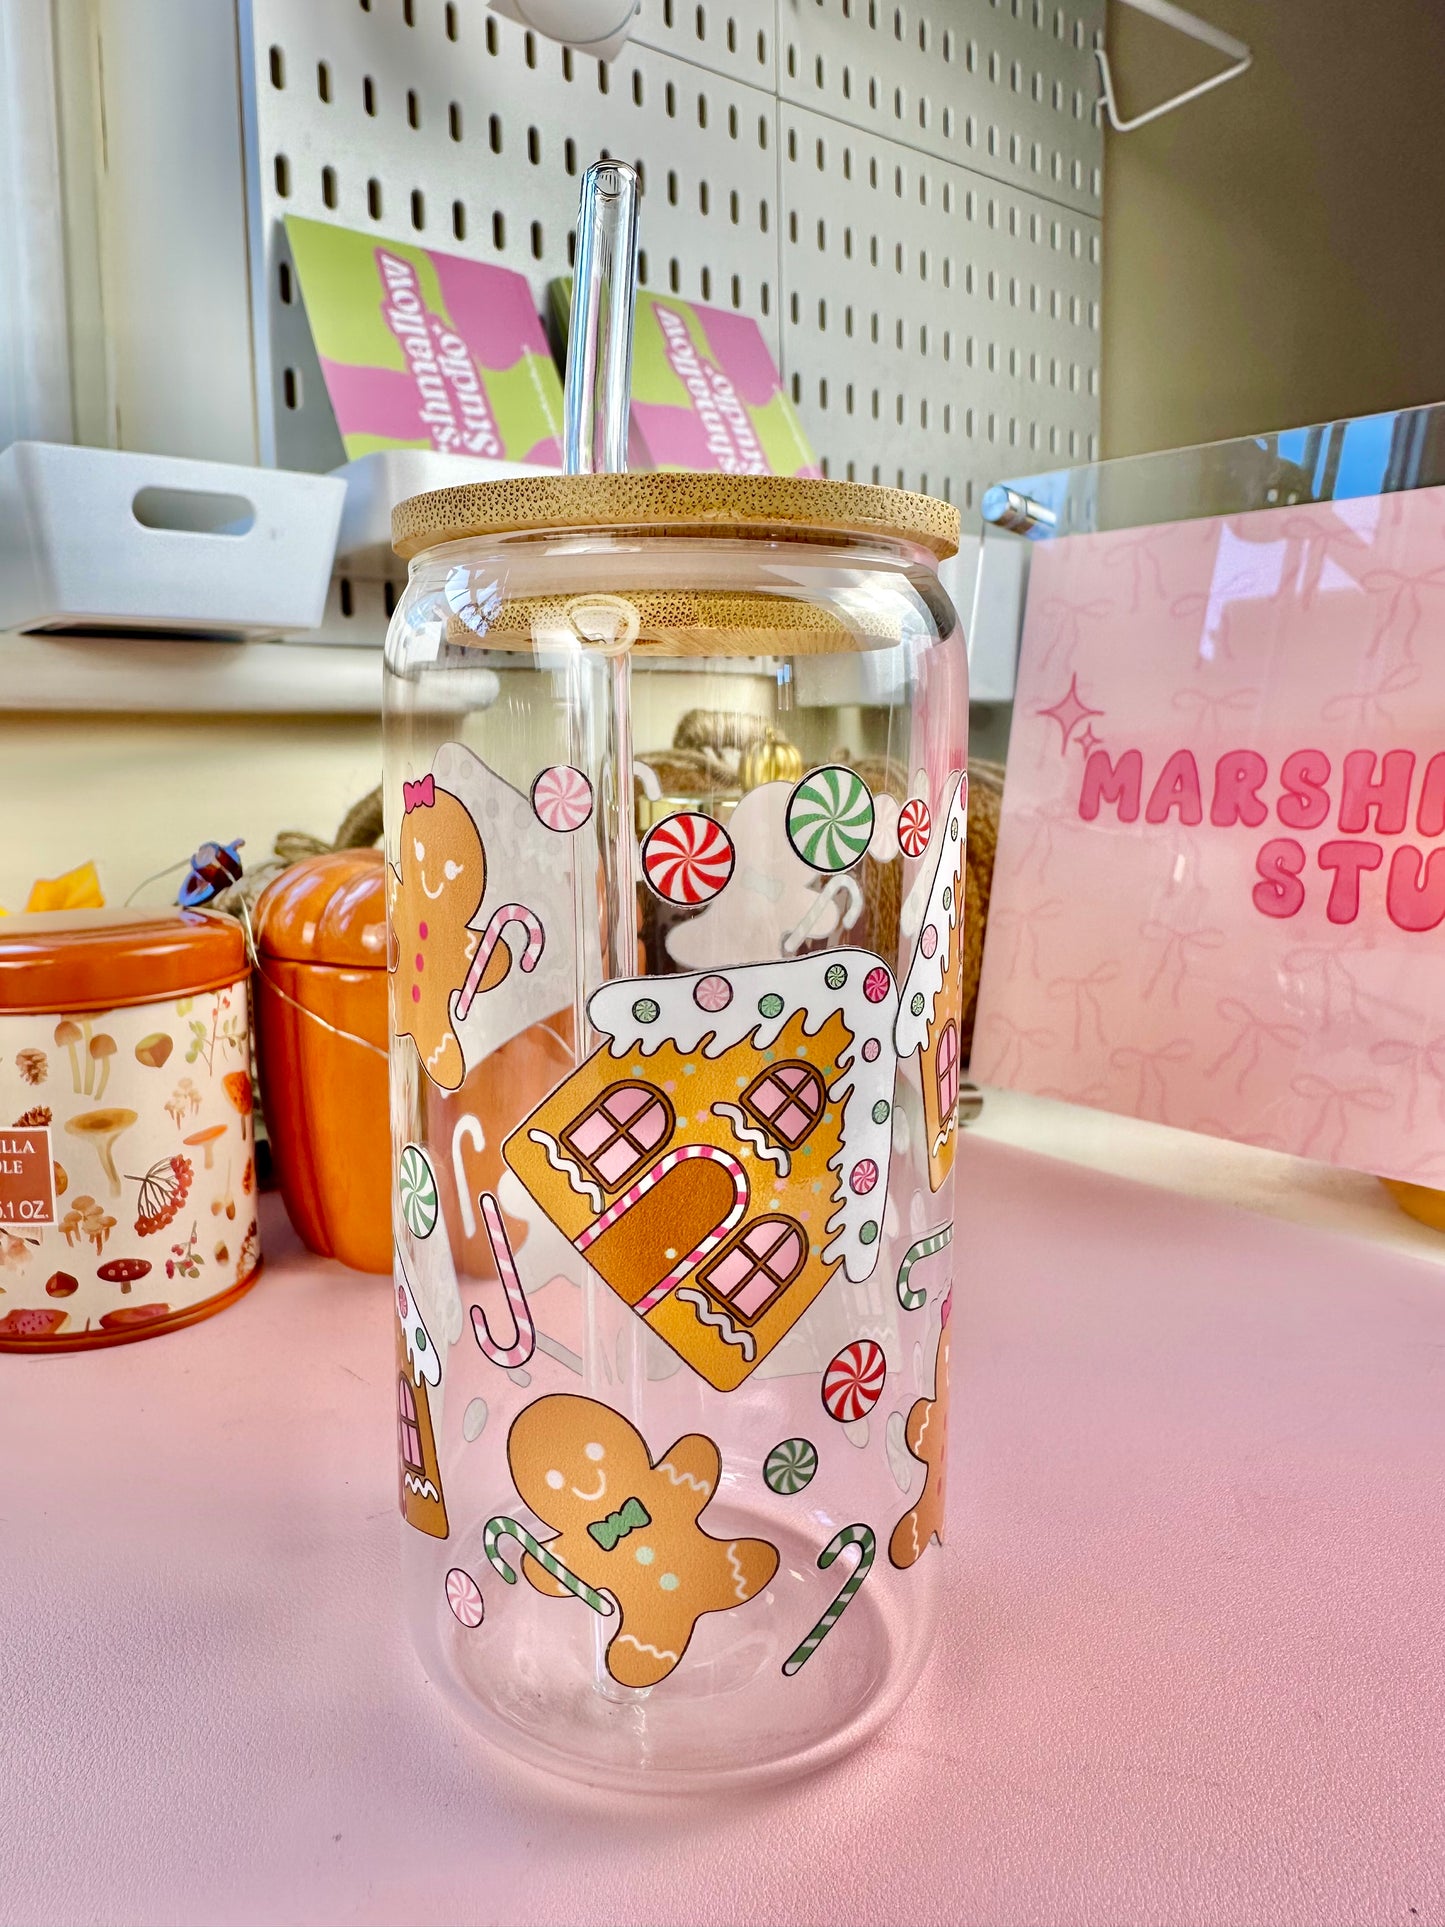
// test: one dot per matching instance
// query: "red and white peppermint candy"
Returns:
(915, 825)
(562, 798)
(853, 1383)
(464, 1596)
(877, 984)
(863, 1176)
(687, 858)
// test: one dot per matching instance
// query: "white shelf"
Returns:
(125, 675)
(1323, 1195)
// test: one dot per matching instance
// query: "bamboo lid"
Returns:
(673, 503)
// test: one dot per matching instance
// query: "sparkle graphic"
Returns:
(1068, 712)
(1087, 741)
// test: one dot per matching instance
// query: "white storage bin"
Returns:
(96, 540)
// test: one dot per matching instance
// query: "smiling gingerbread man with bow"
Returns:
(629, 1526)
(434, 897)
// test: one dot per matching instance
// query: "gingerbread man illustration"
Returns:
(628, 1525)
(927, 1438)
(434, 897)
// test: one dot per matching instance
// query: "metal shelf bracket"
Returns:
(1193, 28)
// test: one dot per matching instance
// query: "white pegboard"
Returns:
(940, 330)
(931, 177)
(738, 38)
(1005, 87)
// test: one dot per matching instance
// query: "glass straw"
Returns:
(595, 430)
(599, 339)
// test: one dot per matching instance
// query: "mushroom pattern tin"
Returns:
(127, 1169)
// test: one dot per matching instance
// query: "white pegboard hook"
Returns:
(1193, 28)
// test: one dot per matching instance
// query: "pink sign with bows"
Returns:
(1219, 898)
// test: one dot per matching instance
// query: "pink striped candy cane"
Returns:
(517, 913)
(639, 1190)
(507, 1356)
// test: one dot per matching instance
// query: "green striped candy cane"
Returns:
(502, 1528)
(862, 1537)
(912, 1296)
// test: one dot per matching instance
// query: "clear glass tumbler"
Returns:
(675, 803)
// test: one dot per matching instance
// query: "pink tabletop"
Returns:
(1192, 1672)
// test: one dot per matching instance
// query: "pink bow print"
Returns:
(1211, 711)
(1138, 552)
(1414, 1059)
(1403, 608)
(418, 796)
(1252, 1032)
(1336, 1101)
(1152, 1091)
(1178, 956)
(1009, 1042)
(1084, 993)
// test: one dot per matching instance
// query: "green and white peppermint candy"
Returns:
(790, 1466)
(416, 1186)
(830, 818)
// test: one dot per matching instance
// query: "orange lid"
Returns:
(103, 959)
(328, 909)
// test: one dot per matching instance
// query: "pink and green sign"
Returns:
(427, 350)
(705, 392)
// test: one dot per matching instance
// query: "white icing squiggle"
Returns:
(739, 1578)
(423, 1488)
(708, 1314)
(574, 1174)
(626, 1639)
(685, 1478)
(750, 1134)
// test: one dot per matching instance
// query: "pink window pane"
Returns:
(406, 1401)
(730, 1271)
(767, 1256)
(616, 1161)
(766, 1097)
(784, 1256)
(650, 1128)
(590, 1133)
(794, 1122)
(625, 1103)
(947, 1072)
(751, 1299)
(792, 1075)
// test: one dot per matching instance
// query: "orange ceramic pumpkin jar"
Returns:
(321, 1041)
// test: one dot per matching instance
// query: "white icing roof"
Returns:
(424, 1359)
(925, 974)
(802, 985)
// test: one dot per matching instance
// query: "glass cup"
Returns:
(675, 828)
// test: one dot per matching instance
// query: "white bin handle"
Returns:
(193, 511)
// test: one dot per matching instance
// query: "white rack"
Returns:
(907, 199)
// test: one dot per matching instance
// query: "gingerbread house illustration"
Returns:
(418, 1370)
(930, 1002)
(726, 1148)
